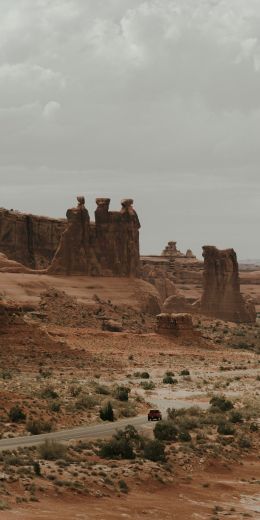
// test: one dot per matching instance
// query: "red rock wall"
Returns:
(107, 247)
(29, 239)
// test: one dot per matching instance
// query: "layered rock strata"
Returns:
(174, 324)
(108, 247)
(221, 296)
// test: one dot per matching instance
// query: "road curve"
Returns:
(98, 431)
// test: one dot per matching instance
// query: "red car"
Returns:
(154, 415)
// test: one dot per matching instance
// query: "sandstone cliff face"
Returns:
(107, 247)
(110, 247)
(221, 296)
(29, 239)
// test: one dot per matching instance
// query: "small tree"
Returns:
(107, 413)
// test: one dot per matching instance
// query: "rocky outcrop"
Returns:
(110, 247)
(29, 239)
(107, 247)
(11, 266)
(178, 303)
(221, 296)
(174, 324)
(157, 276)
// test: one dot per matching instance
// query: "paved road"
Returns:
(98, 431)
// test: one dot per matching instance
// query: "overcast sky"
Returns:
(157, 100)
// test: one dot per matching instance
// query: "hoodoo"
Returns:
(221, 296)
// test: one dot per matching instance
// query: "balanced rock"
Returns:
(221, 296)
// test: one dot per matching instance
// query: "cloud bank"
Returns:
(155, 99)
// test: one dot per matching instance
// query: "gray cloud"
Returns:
(155, 99)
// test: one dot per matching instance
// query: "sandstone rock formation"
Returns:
(11, 266)
(158, 277)
(29, 239)
(171, 250)
(174, 324)
(107, 247)
(178, 303)
(221, 296)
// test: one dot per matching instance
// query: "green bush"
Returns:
(16, 414)
(123, 486)
(106, 413)
(226, 429)
(236, 417)
(36, 426)
(165, 431)
(52, 450)
(144, 375)
(37, 468)
(245, 442)
(168, 380)
(117, 448)
(55, 407)
(49, 393)
(121, 393)
(147, 385)
(221, 403)
(154, 450)
(184, 436)
(185, 372)
(85, 402)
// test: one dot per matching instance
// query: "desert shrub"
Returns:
(12, 459)
(145, 375)
(169, 373)
(184, 436)
(49, 393)
(75, 390)
(36, 426)
(16, 414)
(106, 413)
(85, 402)
(226, 428)
(102, 390)
(185, 372)
(253, 427)
(245, 442)
(117, 448)
(52, 450)
(6, 374)
(123, 486)
(55, 407)
(45, 373)
(154, 450)
(221, 403)
(147, 385)
(168, 380)
(37, 468)
(236, 417)
(165, 431)
(187, 418)
(121, 393)
(175, 414)
(128, 410)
